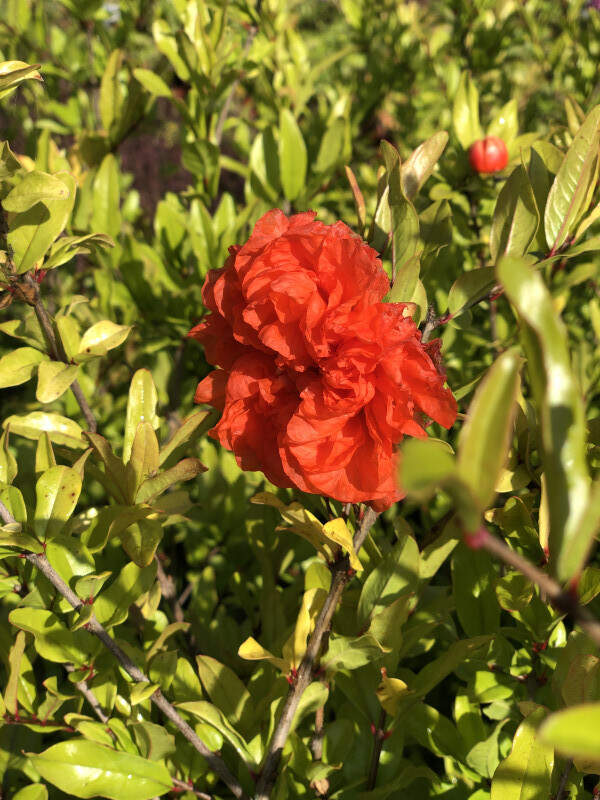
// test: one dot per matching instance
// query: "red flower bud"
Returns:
(488, 155)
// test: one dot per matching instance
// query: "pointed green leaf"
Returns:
(106, 215)
(152, 82)
(562, 417)
(8, 463)
(44, 454)
(527, 772)
(505, 124)
(141, 539)
(516, 216)
(32, 232)
(185, 470)
(54, 378)
(292, 155)
(421, 163)
(570, 193)
(186, 433)
(141, 407)
(470, 288)
(57, 492)
(35, 791)
(465, 112)
(100, 338)
(485, 436)
(111, 95)
(224, 688)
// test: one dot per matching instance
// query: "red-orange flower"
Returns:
(319, 380)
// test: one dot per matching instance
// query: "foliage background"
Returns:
(182, 123)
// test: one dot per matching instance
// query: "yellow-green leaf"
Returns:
(54, 378)
(18, 366)
(60, 429)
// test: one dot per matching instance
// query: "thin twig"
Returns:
(85, 690)
(378, 737)
(340, 577)
(93, 626)
(564, 778)
(565, 601)
(186, 787)
(57, 351)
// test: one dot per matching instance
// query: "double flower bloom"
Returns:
(319, 380)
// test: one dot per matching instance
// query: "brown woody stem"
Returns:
(57, 351)
(339, 579)
(217, 765)
(565, 601)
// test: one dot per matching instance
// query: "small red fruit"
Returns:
(488, 155)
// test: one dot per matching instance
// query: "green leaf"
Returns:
(34, 188)
(292, 155)
(152, 82)
(465, 112)
(405, 233)
(185, 470)
(215, 718)
(396, 574)
(485, 436)
(141, 539)
(141, 407)
(12, 73)
(186, 434)
(527, 772)
(405, 284)
(54, 378)
(516, 217)
(505, 125)
(8, 463)
(112, 606)
(111, 95)
(153, 741)
(11, 535)
(144, 453)
(264, 166)
(57, 492)
(53, 640)
(18, 366)
(562, 416)
(570, 194)
(473, 577)
(35, 791)
(15, 657)
(470, 288)
(142, 691)
(421, 163)
(60, 429)
(32, 232)
(225, 689)
(67, 247)
(87, 769)
(100, 338)
(106, 215)
(167, 45)
(448, 662)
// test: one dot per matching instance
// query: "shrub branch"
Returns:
(93, 626)
(56, 349)
(562, 599)
(339, 579)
